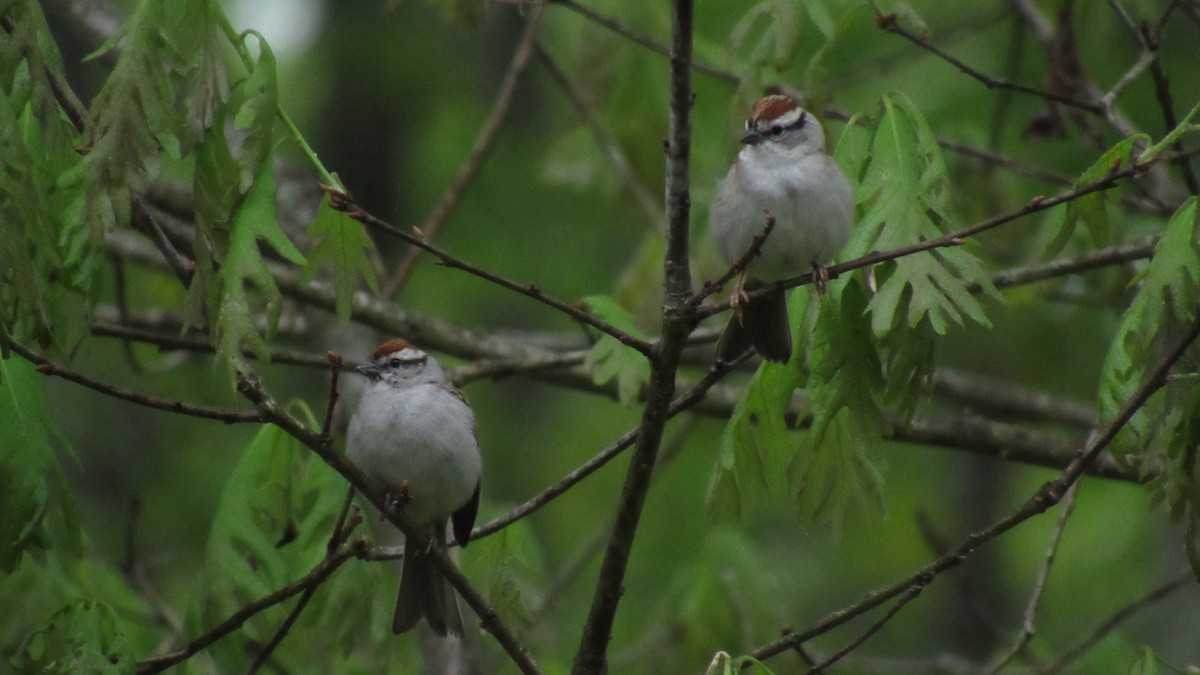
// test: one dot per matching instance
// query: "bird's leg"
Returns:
(393, 502)
(820, 275)
(738, 298)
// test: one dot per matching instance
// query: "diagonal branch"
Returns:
(314, 578)
(47, 368)
(1047, 496)
(680, 404)
(342, 201)
(454, 192)
(1109, 181)
(890, 24)
(252, 388)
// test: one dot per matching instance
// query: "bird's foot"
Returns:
(820, 275)
(395, 501)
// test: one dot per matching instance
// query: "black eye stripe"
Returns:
(773, 126)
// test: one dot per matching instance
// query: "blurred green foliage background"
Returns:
(392, 95)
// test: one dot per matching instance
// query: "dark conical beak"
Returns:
(371, 370)
(751, 137)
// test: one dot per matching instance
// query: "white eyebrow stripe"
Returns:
(408, 354)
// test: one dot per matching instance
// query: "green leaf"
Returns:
(833, 471)
(1166, 301)
(612, 360)
(256, 115)
(903, 183)
(244, 264)
(775, 45)
(271, 526)
(502, 563)
(48, 253)
(1092, 208)
(756, 448)
(37, 508)
(1146, 665)
(82, 637)
(342, 242)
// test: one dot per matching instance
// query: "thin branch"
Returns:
(335, 367)
(1110, 624)
(890, 24)
(738, 266)
(678, 321)
(1144, 61)
(1010, 442)
(341, 531)
(871, 630)
(1166, 103)
(691, 397)
(315, 577)
(1007, 399)
(49, 369)
(637, 38)
(1061, 267)
(144, 221)
(1039, 585)
(1048, 495)
(454, 192)
(1112, 179)
(174, 341)
(607, 144)
(252, 388)
(342, 202)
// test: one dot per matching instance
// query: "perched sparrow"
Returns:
(782, 172)
(413, 434)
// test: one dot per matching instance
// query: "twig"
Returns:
(1166, 103)
(1046, 496)
(683, 402)
(335, 367)
(890, 24)
(344, 203)
(145, 221)
(1010, 442)
(1039, 585)
(225, 415)
(315, 577)
(871, 630)
(1108, 625)
(678, 321)
(1010, 400)
(738, 265)
(637, 38)
(608, 145)
(336, 538)
(953, 239)
(252, 388)
(454, 192)
(1061, 267)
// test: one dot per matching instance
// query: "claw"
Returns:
(738, 298)
(820, 278)
(393, 502)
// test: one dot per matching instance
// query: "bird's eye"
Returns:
(776, 130)
(395, 363)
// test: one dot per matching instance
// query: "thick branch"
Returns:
(678, 322)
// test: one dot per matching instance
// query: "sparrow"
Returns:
(782, 172)
(413, 435)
